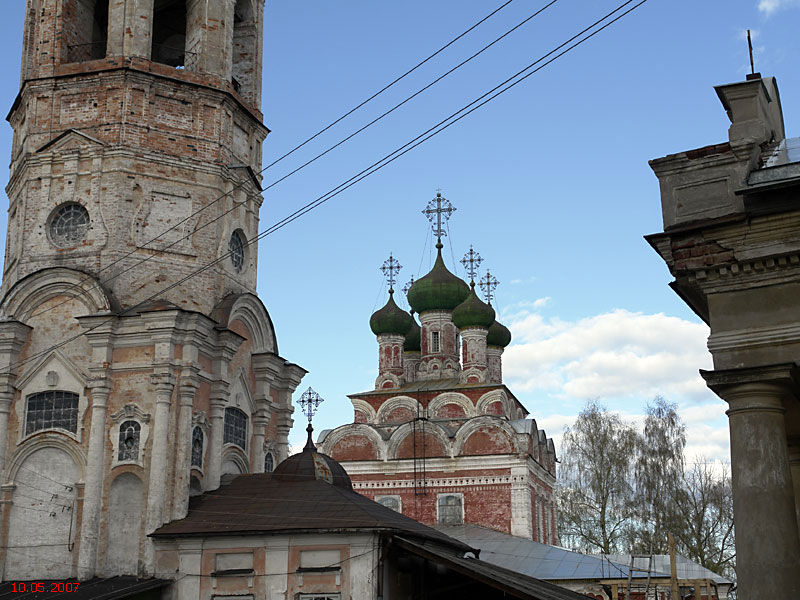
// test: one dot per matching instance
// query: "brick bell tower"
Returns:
(135, 160)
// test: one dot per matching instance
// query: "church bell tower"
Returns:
(137, 364)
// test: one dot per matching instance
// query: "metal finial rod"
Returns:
(391, 267)
(471, 261)
(750, 48)
(438, 212)
(309, 403)
(488, 285)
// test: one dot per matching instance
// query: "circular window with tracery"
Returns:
(68, 225)
(236, 248)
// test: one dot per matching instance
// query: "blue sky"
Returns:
(550, 180)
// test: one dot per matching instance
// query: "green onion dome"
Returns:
(412, 343)
(473, 312)
(438, 290)
(498, 335)
(390, 319)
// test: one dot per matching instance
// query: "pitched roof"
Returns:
(258, 504)
(685, 567)
(513, 583)
(531, 558)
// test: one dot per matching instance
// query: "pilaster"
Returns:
(183, 448)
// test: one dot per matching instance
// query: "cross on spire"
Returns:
(408, 285)
(391, 267)
(471, 261)
(488, 285)
(438, 212)
(309, 402)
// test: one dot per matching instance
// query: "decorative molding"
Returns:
(130, 411)
(440, 482)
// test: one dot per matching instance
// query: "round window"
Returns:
(68, 225)
(236, 248)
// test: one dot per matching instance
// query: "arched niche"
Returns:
(487, 404)
(251, 312)
(354, 447)
(41, 526)
(432, 440)
(341, 436)
(125, 510)
(450, 405)
(494, 436)
(389, 408)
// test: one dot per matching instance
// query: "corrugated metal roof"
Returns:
(258, 504)
(537, 560)
(512, 582)
(94, 589)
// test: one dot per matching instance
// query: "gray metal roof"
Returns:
(782, 165)
(686, 568)
(541, 561)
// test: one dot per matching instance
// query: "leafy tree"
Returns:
(595, 491)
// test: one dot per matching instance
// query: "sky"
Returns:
(550, 181)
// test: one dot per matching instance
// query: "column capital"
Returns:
(755, 388)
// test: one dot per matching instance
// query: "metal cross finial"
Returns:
(309, 402)
(488, 284)
(471, 261)
(391, 267)
(438, 212)
(408, 285)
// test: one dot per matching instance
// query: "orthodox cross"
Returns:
(471, 261)
(438, 212)
(309, 402)
(408, 285)
(391, 267)
(488, 284)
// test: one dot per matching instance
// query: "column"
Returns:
(156, 493)
(260, 422)
(217, 418)
(95, 477)
(183, 447)
(521, 515)
(763, 498)
(794, 467)
(6, 398)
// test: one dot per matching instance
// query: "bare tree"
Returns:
(595, 486)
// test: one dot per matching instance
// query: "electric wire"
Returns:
(444, 124)
(348, 113)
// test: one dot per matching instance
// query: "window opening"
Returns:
(390, 502)
(435, 341)
(450, 509)
(89, 31)
(68, 225)
(52, 410)
(169, 34)
(235, 428)
(236, 248)
(197, 447)
(269, 463)
(245, 49)
(129, 433)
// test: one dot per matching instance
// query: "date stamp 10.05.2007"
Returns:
(45, 586)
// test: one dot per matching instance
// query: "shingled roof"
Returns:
(258, 504)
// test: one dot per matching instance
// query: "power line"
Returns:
(326, 128)
(442, 125)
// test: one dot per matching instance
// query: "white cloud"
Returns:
(613, 355)
(769, 7)
(541, 302)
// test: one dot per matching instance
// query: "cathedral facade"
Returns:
(137, 364)
(441, 438)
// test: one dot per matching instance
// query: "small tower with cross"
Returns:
(390, 324)
(473, 317)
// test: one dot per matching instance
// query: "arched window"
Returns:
(169, 33)
(197, 447)
(451, 509)
(129, 433)
(392, 502)
(245, 48)
(52, 410)
(235, 428)
(269, 463)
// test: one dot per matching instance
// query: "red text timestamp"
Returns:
(45, 586)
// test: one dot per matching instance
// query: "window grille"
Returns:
(197, 447)
(235, 428)
(451, 509)
(269, 463)
(68, 225)
(52, 410)
(320, 596)
(392, 502)
(236, 248)
(435, 341)
(129, 433)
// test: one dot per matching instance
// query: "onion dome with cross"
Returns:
(439, 289)
(413, 342)
(391, 319)
(472, 312)
(498, 335)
